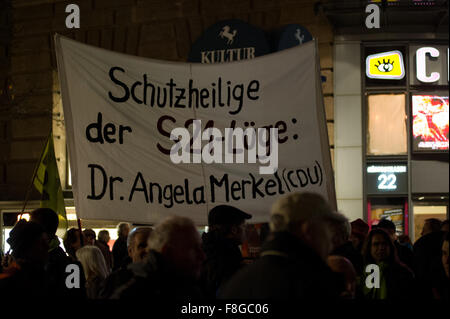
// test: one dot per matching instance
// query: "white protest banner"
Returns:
(120, 111)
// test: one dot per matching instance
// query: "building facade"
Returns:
(30, 103)
(391, 159)
(366, 157)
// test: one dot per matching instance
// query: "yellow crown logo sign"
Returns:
(386, 65)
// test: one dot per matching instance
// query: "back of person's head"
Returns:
(167, 230)
(29, 242)
(177, 239)
(296, 208)
(386, 224)
(367, 247)
(359, 228)
(306, 216)
(93, 262)
(103, 236)
(47, 218)
(123, 229)
(445, 226)
(431, 225)
(340, 229)
(359, 232)
(89, 235)
(71, 241)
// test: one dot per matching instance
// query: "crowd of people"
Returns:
(312, 252)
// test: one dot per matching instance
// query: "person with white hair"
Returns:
(293, 259)
(94, 267)
(172, 266)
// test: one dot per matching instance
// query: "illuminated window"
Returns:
(386, 125)
(422, 213)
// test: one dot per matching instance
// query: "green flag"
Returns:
(47, 182)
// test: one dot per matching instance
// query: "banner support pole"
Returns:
(81, 233)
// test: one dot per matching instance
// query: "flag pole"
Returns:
(27, 195)
(81, 233)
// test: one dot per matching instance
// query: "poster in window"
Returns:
(394, 214)
(430, 123)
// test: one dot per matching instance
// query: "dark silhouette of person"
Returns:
(445, 226)
(25, 276)
(57, 258)
(89, 236)
(426, 250)
(102, 244)
(221, 246)
(342, 246)
(431, 225)
(119, 251)
(359, 232)
(440, 278)
(292, 263)
(72, 241)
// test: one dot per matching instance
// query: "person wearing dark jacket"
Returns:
(221, 246)
(172, 268)
(440, 279)
(57, 258)
(25, 276)
(292, 263)
(119, 251)
(396, 280)
(102, 244)
(342, 246)
(427, 249)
